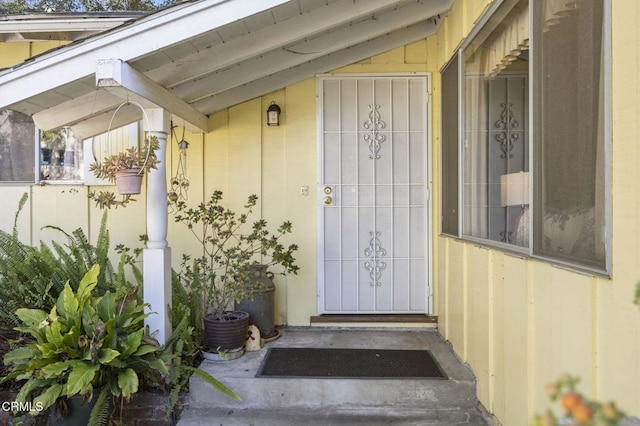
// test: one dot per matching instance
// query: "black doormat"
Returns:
(350, 363)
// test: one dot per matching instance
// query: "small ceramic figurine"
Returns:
(253, 339)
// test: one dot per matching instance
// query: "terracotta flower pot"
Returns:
(129, 181)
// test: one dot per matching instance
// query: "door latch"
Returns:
(328, 199)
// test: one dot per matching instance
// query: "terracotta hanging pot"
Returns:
(129, 181)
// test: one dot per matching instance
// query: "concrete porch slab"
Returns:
(283, 401)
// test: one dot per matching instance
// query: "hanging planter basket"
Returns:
(126, 168)
(129, 181)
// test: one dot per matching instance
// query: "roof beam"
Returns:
(68, 113)
(309, 69)
(310, 49)
(99, 124)
(267, 39)
(117, 74)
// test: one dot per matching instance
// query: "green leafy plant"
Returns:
(25, 6)
(131, 158)
(183, 353)
(229, 245)
(34, 276)
(85, 343)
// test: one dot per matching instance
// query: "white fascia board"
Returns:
(60, 25)
(116, 73)
(44, 36)
(324, 64)
(151, 33)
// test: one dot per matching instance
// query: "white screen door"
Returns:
(374, 194)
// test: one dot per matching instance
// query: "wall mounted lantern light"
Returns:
(273, 115)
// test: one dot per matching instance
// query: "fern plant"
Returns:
(34, 276)
(181, 354)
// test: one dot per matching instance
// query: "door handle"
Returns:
(328, 200)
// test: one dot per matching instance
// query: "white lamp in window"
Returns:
(514, 189)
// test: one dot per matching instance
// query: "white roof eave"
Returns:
(198, 57)
(77, 61)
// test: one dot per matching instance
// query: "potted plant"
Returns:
(87, 346)
(126, 169)
(219, 278)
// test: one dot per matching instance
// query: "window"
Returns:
(60, 156)
(17, 150)
(495, 128)
(564, 217)
(450, 147)
(570, 172)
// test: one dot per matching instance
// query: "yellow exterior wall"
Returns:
(240, 156)
(14, 53)
(521, 323)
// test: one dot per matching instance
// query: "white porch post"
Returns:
(157, 255)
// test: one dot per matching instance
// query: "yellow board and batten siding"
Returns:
(519, 323)
(522, 323)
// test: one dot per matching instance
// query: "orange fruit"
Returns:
(582, 413)
(570, 401)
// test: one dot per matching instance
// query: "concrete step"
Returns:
(330, 417)
(342, 393)
(306, 399)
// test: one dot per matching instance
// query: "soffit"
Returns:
(213, 54)
(60, 26)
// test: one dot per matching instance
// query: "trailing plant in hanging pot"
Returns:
(230, 244)
(126, 169)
